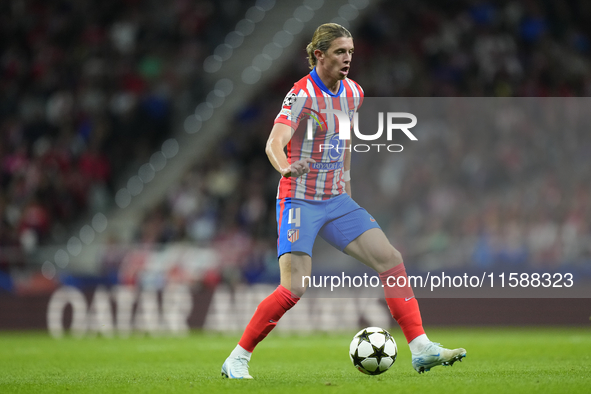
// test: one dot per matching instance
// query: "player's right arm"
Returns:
(275, 149)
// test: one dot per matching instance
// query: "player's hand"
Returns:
(299, 168)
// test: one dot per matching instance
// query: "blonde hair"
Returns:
(322, 38)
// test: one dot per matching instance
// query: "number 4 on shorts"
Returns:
(294, 217)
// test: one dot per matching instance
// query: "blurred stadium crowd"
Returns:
(84, 94)
(87, 89)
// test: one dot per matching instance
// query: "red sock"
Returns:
(266, 316)
(402, 302)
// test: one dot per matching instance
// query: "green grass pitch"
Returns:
(500, 360)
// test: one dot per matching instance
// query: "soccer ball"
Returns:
(373, 350)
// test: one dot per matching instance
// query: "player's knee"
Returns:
(388, 258)
(298, 288)
(396, 256)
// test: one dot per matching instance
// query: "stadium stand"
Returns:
(87, 95)
(88, 90)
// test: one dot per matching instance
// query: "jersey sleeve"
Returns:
(292, 107)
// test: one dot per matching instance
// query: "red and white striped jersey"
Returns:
(305, 101)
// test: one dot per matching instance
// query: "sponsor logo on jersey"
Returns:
(339, 147)
(327, 166)
(317, 117)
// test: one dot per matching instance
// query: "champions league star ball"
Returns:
(373, 350)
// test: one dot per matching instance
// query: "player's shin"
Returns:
(265, 318)
(401, 301)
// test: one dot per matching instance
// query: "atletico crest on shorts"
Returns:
(293, 235)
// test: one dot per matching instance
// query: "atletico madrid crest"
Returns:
(293, 235)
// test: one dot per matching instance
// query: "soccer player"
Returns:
(314, 198)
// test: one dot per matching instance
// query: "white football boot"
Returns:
(236, 367)
(433, 354)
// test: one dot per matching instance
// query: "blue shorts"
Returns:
(338, 221)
